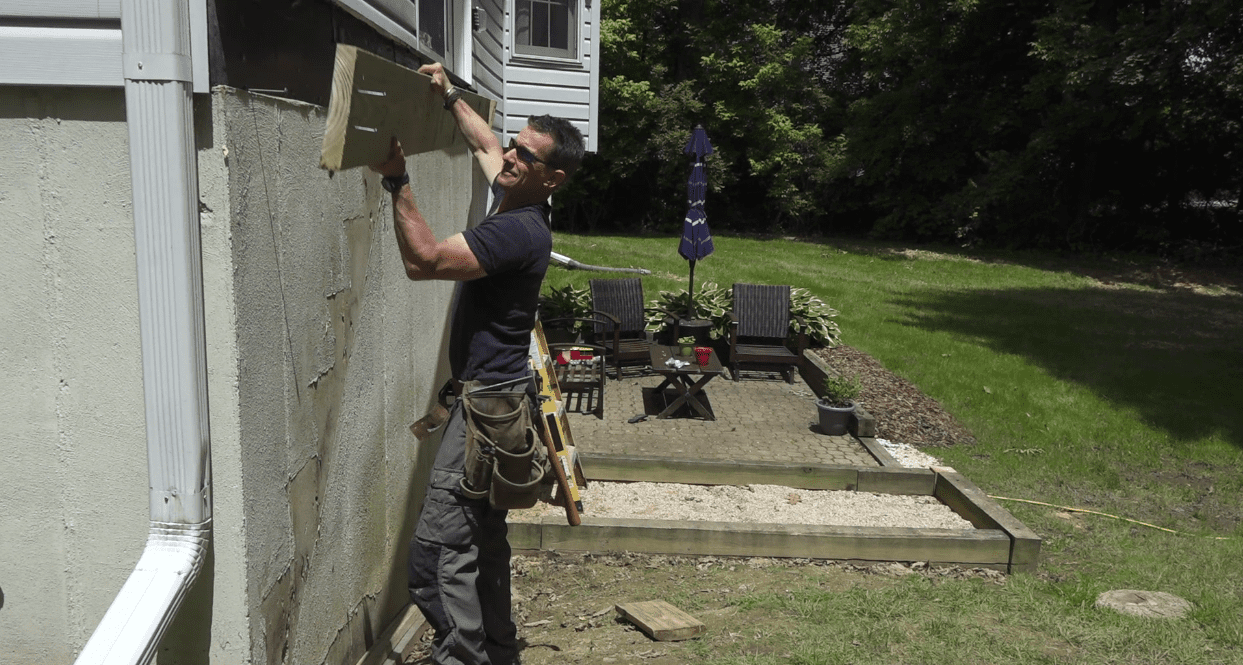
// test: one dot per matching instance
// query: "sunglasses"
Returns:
(524, 154)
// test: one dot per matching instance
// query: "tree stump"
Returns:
(1154, 604)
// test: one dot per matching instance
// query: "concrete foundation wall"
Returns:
(334, 353)
(320, 355)
(74, 515)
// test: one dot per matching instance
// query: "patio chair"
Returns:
(581, 380)
(620, 324)
(758, 328)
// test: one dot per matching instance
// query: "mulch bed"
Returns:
(903, 414)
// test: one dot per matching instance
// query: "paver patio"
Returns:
(757, 420)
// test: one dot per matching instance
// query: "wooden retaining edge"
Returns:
(882, 480)
(878, 452)
(604, 534)
(1000, 540)
(954, 490)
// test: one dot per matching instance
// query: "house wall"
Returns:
(332, 354)
(320, 354)
(74, 475)
(534, 86)
(488, 56)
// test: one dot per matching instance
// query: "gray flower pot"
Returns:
(834, 419)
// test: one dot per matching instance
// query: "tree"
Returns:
(1066, 123)
(729, 65)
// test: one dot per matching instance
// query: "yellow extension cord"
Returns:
(1093, 512)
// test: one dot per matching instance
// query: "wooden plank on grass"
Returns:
(661, 621)
(708, 472)
(958, 546)
(374, 99)
(969, 501)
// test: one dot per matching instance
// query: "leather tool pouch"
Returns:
(504, 461)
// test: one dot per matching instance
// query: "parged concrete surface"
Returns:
(756, 420)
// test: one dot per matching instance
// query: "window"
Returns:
(432, 27)
(436, 28)
(546, 27)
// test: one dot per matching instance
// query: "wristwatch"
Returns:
(393, 183)
(451, 98)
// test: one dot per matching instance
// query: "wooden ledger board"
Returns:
(374, 99)
(552, 408)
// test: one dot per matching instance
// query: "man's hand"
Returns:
(395, 164)
(440, 80)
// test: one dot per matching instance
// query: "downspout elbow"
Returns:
(131, 630)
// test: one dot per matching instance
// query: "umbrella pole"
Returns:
(690, 314)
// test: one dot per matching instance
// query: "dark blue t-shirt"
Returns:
(491, 335)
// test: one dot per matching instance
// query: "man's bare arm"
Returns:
(483, 144)
(421, 254)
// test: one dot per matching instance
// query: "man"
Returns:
(459, 556)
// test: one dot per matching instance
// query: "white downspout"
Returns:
(158, 100)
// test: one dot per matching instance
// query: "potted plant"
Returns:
(837, 403)
(686, 345)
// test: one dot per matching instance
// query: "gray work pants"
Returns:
(459, 564)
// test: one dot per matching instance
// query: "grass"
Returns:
(1110, 384)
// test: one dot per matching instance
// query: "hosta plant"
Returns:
(711, 303)
(822, 330)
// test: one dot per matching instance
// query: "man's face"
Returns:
(525, 171)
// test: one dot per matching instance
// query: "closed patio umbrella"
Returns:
(696, 238)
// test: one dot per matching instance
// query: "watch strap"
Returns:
(451, 98)
(393, 183)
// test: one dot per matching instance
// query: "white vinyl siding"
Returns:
(62, 8)
(60, 55)
(489, 57)
(564, 87)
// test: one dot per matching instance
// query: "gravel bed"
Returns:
(764, 503)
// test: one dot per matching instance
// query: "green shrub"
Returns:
(822, 330)
(711, 303)
(840, 391)
(568, 302)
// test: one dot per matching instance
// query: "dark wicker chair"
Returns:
(581, 384)
(621, 321)
(758, 328)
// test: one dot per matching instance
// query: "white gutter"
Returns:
(155, 35)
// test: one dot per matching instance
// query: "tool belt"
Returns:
(504, 459)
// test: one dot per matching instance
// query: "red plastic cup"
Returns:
(702, 354)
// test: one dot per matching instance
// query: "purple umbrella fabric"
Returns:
(696, 238)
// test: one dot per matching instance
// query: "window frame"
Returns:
(399, 19)
(543, 55)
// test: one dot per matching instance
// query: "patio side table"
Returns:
(689, 381)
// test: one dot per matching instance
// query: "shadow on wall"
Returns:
(1174, 357)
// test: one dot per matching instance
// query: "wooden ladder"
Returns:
(555, 429)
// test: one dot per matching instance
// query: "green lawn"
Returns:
(1095, 384)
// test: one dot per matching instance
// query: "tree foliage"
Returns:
(1058, 123)
(1067, 123)
(743, 73)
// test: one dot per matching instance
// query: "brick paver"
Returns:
(756, 420)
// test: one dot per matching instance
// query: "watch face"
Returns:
(393, 184)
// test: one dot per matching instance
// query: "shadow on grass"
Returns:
(1174, 357)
